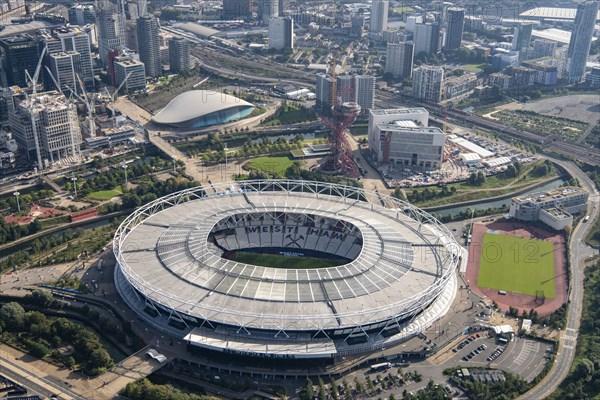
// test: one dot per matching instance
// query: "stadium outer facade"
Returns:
(398, 280)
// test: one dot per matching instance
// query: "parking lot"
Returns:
(524, 357)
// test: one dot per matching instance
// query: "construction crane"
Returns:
(111, 97)
(89, 103)
(33, 81)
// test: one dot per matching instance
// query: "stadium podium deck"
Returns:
(310, 348)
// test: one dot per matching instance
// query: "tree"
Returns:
(334, 390)
(13, 316)
(322, 393)
(347, 389)
(308, 393)
(42, 298)
(358, 385)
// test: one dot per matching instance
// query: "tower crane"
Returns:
(34, 81)
(113, 95)
(89, 103)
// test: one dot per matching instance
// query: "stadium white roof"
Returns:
(552, 13)
(401, 264)
(195, 104)
(196, 29)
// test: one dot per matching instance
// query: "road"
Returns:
(568, 338)
(36, 384)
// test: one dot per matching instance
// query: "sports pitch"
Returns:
(517, 265)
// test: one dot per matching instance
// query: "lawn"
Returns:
(279, 261)
(106, 194)
(517, 265)
(273, 165)
(403, 9)
(477, 68)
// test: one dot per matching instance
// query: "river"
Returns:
(497, 203)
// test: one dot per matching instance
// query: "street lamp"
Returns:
(17, 196)
(74, 179)
(225, 149)
(125, 169)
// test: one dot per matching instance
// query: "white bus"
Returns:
(586, 219)
(380, 367)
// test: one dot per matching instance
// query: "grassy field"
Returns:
(288, 262)
(403, 9)
(277, 165)
(517, 265)
(477, 68)
(106, 194)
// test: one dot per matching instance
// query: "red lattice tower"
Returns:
(340, 161)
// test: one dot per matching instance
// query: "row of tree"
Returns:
(144, 389)
(40, 334)
(10, 232)
(426, 194)
(10, 202)
(584, 380)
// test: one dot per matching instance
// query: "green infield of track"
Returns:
(280, 261)
(517, 265)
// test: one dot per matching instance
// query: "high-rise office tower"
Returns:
(65, 67)
(131, 41)
(82, 15)
(68, 39)
(364, 92)
(111, 30)
(268, 9)
(344, 88)
(17, 54)
(179, 55)
(399, 60)
(237, 9)
(359, 89)
(543, 48)
(282, 6)
(427, 83)
(56, 134)
(455, 26)
(379, 16)
(149, 44)
(324, 93)
(581, 40)
(521, 39)
(281, 33)
(358, 22)
(426, 38)
(123, 66)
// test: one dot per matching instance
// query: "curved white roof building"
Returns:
(201, 108)
(395, 277)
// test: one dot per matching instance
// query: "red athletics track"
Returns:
(512, 299)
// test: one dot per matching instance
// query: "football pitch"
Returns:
(281, 261)
(517, 265)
